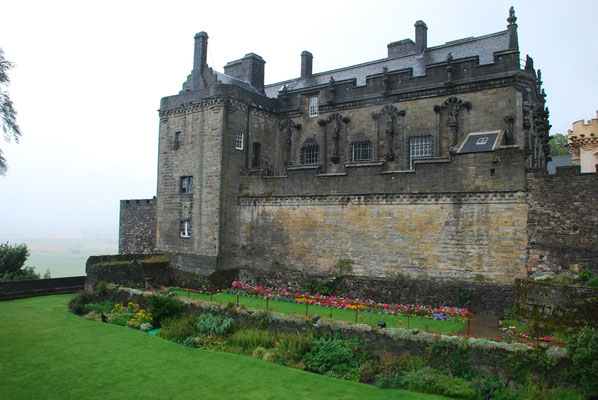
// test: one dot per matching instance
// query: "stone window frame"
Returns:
(239, 139)
(310, 152)
(185, 229)
(358, 148)
(312, 106)
(186, 186)
(178, 140)
(422, 146)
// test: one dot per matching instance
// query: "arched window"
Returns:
(310, 152)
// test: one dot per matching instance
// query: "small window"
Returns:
(239, 141)
(482, 140)
(419, 147)
(185, 229)
(361, 150)
(255, 161)
(177, 140)
(310, 152)
(313, 106)
(186, 184)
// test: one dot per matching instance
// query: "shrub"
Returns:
(428, 380)
(270, 357)
(593, 282)
(562, 279)
(77, 304)
(333, 355)
(163, 307)
(451, 355)
(189, 341)
(585, 275)
(292, 348)
(259, 352)
(248, 339)
(146, 327)
(12, 259)
(177, 328)
(121, 318)
(583, 351)
(367, 372)
(101, 307)
(215, 324)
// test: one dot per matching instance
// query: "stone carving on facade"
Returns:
(390, 112)
(287, 127)
(509, 133)
(453, 105)
(336, 119)
(385, 81)
(284, 96)
(449, 68)
(331, 89)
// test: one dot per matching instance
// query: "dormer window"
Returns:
(313, 106)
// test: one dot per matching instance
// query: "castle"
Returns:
(416, 164)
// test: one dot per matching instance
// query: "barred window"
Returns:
(419, 147)
(361, 150)
(186, 184)
(310, 152)
(185, 229)
(177, 140)
(313, 106)
(239, 141)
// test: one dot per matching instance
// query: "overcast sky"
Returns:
(89, 76)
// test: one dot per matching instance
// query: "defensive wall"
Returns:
(40, 287)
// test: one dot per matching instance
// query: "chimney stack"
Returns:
(200, 57)
(421, 37)
(306, 64)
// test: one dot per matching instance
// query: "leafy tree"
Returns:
(8, 115)
(12, 261)
(558, 145)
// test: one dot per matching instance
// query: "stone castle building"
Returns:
(418, 163)
(583, 144)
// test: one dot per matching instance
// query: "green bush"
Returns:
(585, 275)
(451, 356)
(77, 304)
(292, 348)
(583, 351)
(12, 260)
(428, 380)
(259, 352)
(178, 328)
(338, 356)
(215, 324)
(562, 279)
(189, 341)
(248, 339)
(99, 307)
(593, 282)
(163, 307)
(120, 318)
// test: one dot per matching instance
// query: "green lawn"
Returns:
(48, 353)
(392, 321)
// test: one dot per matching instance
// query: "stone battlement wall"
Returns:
(563, 221)
(137, 228)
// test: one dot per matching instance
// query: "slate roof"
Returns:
(482, 47)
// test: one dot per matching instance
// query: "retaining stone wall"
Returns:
(40, 287)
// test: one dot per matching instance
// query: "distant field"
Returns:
(63, 254)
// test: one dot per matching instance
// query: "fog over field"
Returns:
(63, 253)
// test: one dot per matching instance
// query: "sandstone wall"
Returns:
(137, 228)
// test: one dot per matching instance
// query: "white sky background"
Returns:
(89, 77)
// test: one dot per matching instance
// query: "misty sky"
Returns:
(89, 76)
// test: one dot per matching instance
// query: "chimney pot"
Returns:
(421, 37)
(306, 64)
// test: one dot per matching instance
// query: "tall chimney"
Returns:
(200, 57)
(306, 64)
(421, 37)
(512, 29)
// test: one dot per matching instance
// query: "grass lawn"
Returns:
(392, 321)
(48, 353)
